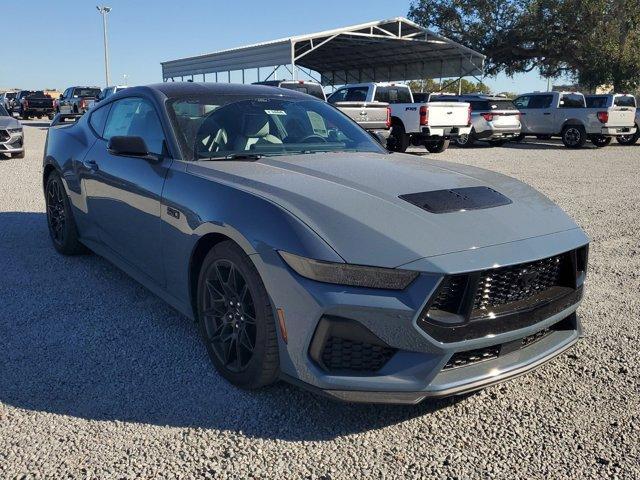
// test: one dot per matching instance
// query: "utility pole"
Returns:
(104, 11)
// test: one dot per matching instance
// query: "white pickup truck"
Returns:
(565, 115)
(431, 124)
(621, 101)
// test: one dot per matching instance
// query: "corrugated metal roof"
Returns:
(386, 50)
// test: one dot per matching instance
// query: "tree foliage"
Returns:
(431, 86)
(595, 41)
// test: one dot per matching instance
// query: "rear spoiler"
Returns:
(61, 118)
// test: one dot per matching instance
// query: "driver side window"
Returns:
(135, 117)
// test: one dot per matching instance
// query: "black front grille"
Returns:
(4, 135)
(505, 285)
(343, 354)
(492, 301)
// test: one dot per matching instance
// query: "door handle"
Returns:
(91, 165)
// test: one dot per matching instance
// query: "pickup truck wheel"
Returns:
(236, 318)
(465, 141)
(437, 147)
(600, 140)
(400, 141)
(62, 227)
(629, 139)
(574, 136)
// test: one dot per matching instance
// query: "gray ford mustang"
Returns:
(307, 252)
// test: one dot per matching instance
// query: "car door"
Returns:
(540, 114)
(124, 196)
(522, 104)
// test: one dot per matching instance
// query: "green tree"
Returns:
(448, 86)
(595, 41)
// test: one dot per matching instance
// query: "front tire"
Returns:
(236, 318)
(574, 136)
(62, 227)
(600, 141)
(437, 147)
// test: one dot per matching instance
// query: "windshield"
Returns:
(11, 96)
(220, 126)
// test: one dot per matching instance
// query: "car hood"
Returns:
(352, 200)
(9, 122)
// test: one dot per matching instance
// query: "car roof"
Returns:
(178, 89)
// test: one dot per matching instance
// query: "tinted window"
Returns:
(522, 102)
(443, 98)
(479, 105)
(540, 101)
(135, 117)
(86, 92)
(624, 101)
(596, 102)
(501, 105)
(421, 97)
(99, 118)
(312, 89)
(222, 125)
(392, 95)
(572, 100)
(11, 96)
(351, 94)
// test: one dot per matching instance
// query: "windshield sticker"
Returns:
(275, 112)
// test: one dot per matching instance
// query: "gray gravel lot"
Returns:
(100, 379)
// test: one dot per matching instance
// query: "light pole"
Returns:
(103, 11)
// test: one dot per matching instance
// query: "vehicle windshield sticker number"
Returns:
(275, 112)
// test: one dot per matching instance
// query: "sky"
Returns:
(62, 44)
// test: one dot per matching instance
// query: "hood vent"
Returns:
(457, 199)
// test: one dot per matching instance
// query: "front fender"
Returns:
(194, 207)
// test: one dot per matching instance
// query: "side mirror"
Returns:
(128, 146)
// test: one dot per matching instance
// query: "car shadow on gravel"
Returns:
(80, 338)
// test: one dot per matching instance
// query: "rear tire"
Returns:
(574, 136)
(400, 140)
(62, 227)
(437, 147)
(236, 318)
(629, 139)
(600, 141)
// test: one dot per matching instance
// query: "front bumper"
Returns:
(617, 131)
(419, 366)
(11, 142)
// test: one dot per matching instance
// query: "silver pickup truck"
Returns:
(374, 117)
(565, 115)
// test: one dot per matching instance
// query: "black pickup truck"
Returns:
(29, 103)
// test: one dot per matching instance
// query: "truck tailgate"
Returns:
(448, 114)
(621, 117)
(369, 115)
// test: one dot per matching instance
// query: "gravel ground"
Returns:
(100, 379)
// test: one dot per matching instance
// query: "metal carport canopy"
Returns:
(386, 50)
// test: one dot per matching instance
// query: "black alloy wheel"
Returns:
(574, 136)
(236, 318)
(62, 227)
(600, 140)
(229, 316)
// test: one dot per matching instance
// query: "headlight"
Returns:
(14, 130)
(352, 275)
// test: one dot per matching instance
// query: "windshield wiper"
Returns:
(233, 156)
